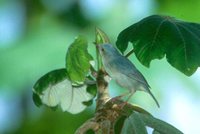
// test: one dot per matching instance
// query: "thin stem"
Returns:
(129, 53)
(98, 58)
(93, 72)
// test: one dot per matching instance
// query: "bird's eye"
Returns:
(102, 49)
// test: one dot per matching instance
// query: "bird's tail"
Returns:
(148, 90)
(154, 99)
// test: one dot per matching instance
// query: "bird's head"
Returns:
(107, 51)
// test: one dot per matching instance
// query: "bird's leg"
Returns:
(131, 94)
(125, 102)
(119, 97)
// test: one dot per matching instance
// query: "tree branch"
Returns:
(89, 124)
(107, 110)
(102, 89)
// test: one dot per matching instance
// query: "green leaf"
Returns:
(157, 36)
(90, 132)
(158, 125)
(91, 89)
(37, 100)
(52, 77)
(54, 89)
(78, 60)
(138, 109)
(101, 37)
(119, 124)
(155, 132)
(134, 125)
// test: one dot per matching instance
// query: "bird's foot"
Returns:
(121, 106)
(116, 98)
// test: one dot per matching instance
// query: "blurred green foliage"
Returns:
(43, 45)
(52, 122)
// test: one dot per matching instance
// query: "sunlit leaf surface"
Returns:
(78, 60)
(159, 125)
(157, 36)
(54, 89)
(134, 125)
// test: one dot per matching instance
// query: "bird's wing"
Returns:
(128, 69)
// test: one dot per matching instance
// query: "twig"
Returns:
(93, 71)
(129, 53)
(89, 124)
(98, 57)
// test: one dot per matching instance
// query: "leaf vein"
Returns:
(157, 31)
(183, 40)
(198, 38)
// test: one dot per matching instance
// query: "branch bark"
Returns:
(102, 89)
(107, 110)
(89, 124)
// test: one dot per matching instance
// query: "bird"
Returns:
(123, 71)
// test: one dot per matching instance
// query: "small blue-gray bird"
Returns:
(123, 71)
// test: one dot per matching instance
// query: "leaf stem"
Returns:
(98, 58)
(93, 72)
(129, 53)
(90, 124)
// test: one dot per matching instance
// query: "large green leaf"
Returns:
(158, 125)
(156, 36)
(155, 132)
(134, 125)
(119, 124)
(54, 89)
(78, 60)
